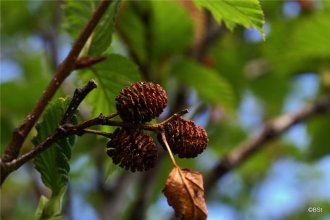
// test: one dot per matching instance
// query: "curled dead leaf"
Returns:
(185, 193)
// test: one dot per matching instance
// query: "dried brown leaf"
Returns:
(185, 193)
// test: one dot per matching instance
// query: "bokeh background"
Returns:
(231, 85)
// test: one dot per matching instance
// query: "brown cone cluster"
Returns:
(132, 149)
(141, 102)
(185, 138)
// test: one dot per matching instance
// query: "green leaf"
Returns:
(310, 39)
(130, 22)
(230, 58)
(111, 76)
(170, 36)
(257, 166)
(208, 83)
(271, 90)
(53, 164)
(302, 44)
(318, 129)
(16, 104)
(16, 20)
(102, 36)
(247, 13)
(76, 15)
(224, 136)
(156, 35)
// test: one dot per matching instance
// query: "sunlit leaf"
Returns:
(247, 13)
(184, 191)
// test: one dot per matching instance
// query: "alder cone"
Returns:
(141, 102)
(132, 149)
(185, 138)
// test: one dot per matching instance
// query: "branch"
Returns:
(65, 129)
(19, 134)
(78, 96)
(270, 131)
(105, 120)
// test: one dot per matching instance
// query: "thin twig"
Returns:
(169, 149)
(101, 133)
(174, 116)
(19, 134)
(270, 131)
(105, 120)
(78, 96)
